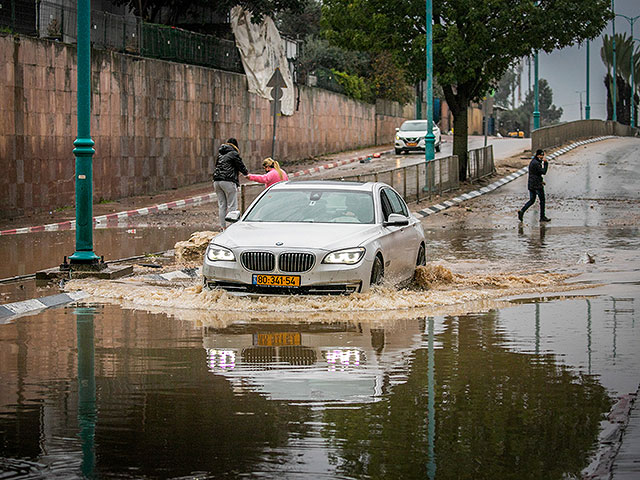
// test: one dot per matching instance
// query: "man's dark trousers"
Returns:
(532, 199)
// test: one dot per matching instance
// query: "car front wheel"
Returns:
(421, 260)
(377, 271)
(398, 151)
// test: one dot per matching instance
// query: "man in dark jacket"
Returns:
(225, 178)
(537, 168)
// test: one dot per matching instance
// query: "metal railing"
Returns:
(480, 163)
(124, 33)
(414, 182)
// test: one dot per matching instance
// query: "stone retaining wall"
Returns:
(156, 125)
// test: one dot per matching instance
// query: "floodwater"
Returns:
(515, 392)
(500, 363)
(24, 254)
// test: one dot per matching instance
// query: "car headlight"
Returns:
(216, 253)
(349, 256)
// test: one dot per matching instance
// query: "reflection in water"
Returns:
(86, 389)
(438, 397)
(27, 254)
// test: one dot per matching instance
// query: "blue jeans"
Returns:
(539, 192)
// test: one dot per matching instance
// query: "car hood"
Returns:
(325, 236)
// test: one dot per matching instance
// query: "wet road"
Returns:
(160, 381)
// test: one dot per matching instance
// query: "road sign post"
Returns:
(277, 83)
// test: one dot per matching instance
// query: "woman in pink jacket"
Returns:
(274, 173)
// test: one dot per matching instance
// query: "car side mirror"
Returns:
(396, 220)
(397, 129)
(232, 217)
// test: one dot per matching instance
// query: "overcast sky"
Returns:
(565, 69)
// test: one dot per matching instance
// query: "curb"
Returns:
(497, 184)
(101, 220)
(9, 310)
(27, 306)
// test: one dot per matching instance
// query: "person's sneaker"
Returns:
(520, 215)
(545, 219)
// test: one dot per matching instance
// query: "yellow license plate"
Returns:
(412, 144)
(277, 280)
(277, 339)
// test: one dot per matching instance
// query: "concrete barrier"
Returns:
(556, 135)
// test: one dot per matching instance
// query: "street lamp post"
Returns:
(536, 110)
(613, 95)
(430, 139)
(631, 21)
(587, 107)
(83, 150)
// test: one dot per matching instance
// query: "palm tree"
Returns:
(624, 52)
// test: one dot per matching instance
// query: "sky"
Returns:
(565, 69)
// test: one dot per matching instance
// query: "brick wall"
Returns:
(156, 125)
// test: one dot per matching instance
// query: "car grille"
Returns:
(296, 262)
(412, 139)
(258, 261)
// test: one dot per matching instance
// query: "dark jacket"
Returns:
(228, 164)
(537, 168)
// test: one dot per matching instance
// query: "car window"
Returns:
(414, 126)
(313, 206)
(395, 204)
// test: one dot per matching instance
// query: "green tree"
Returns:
(301, 24)
(519, 118)
(624, 51)
(474, 42)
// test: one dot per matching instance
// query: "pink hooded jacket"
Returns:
(269, 178)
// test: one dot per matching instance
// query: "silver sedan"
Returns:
(317, 237)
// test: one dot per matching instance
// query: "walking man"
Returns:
(225, 178)
(537, 168)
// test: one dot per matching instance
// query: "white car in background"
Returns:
(411, 134)
(317, 237)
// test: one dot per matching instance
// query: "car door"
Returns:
(396, 245)
(409, 240)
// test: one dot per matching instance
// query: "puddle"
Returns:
(140, 393)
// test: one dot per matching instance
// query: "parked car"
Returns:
(516, 134)
(317, 237)
(410, 136)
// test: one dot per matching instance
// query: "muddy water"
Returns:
(152, 392)
(27, 254)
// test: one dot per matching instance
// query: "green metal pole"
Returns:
(613, 95)
(87, 412)
(430, 139)
(633, 107)
(431, 403)
(587, 108)
(536, 110)
(83, 150)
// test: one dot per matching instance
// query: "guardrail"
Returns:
(480, 163)
(562, 133)
(415, 182)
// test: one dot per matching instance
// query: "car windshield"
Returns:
(313, 206)
(414, 126)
